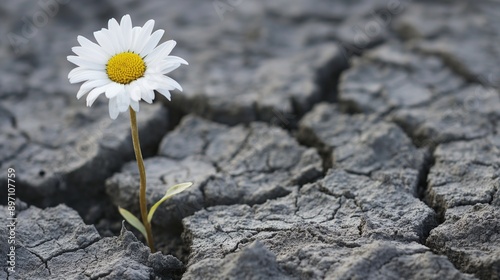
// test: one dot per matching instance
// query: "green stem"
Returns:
(142, 174)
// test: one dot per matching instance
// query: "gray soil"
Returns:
(325, 140)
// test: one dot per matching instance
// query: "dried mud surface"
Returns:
(325, 139)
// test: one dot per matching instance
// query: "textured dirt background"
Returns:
(325, 139)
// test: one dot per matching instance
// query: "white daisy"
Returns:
(126, 64)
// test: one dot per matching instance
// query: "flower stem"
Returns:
(142, 174)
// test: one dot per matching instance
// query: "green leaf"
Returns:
(170, 192)
(133, 221)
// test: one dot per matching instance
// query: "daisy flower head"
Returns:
(126, 64)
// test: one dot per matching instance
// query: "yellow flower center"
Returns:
(125, 68)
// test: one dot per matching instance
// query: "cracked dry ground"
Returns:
(326, 140)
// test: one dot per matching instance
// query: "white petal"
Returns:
(123, 101)
(82, 91)
(103, 38)
(165, 66)
(113, 25)
(126, 26)
(116, 33)
(113, 37)
(88, 85)
(93, 94)
(149, 82)
(136, 32)
(134, 91)
(88, 75)
(161, 51)
(160, 67)
(97, 83)
(152, 42)
(114, 89)
(147, 100)
(86, 43)
(151, 94)
(175, 59)
(134, 105)
(169, 68)
(113, 108)
(85, 63)
(90, 54)
(142, 36)
(76, 71)
(146, 83)
(167, 81)
(148, 96)
(97, 75)
(164, 92)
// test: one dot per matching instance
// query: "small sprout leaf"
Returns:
(170, 192)
(133, 221)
